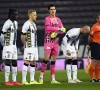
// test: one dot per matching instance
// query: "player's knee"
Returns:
(45, 61)
(7, 62)
(32, 65)
(52, 62)
(27, 62)
(32, 62)
(14, 63)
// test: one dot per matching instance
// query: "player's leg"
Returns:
(32, 66)
(7, 55)
(47, 51)
(25, 66)
(68, 69)
(68, 58)
(97, 67)
(7, 72)
(99, 70)
(74, 65)
(95, 57)
(54, 53)
(14, 66)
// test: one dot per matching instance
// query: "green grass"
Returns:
(60, 76)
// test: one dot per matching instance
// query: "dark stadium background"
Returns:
(73, 13)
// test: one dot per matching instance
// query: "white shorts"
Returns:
(31, 53)
(69, 47)
(9, 52)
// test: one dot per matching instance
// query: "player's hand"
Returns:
(68, 52)
(62, 29)
(53, 34)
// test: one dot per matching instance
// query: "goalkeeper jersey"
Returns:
(52, 25)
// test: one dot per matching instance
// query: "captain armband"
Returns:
(3, 32)
(68, 36)
(22, 33)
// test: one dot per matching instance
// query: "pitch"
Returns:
(60, 76)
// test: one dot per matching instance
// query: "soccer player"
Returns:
(94, 42)
(69, 47)
(8, 40)
(53, 27)
(29, 40)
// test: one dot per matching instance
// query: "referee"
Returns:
(94, 43)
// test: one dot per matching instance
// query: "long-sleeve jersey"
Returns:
(52, 25)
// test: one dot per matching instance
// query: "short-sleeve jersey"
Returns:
(30, 30)
(95, 33)
(10, 30)
(72, 36)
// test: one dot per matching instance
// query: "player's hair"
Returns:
(11, 11)
(30, 11)
(51, 5)
(87, 28)
(96, 16)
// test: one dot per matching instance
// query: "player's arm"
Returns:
(48, 26)
(61, 27)
(23, 33)
(65, 39)
(23, 38)
(3, 32)
(89, 39)
(76, 46)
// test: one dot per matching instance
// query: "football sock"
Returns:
(32, 72)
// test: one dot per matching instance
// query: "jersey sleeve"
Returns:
(65, 41)
(48, 26)
(92, 31)
(25, 28)
(71, 33)
(5, 27)
(60, 23)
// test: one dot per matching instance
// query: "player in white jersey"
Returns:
(29, 39)
(8, 40)
(69, 47)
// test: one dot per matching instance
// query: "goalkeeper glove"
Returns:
(53, 35)
(62, 29)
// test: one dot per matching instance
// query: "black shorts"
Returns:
(95, 51)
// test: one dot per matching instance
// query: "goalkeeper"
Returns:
(69, 47)
(53, 27)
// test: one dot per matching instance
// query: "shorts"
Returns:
(51, 48)
(69, 47)
(9, 52)
(31, 53)
(95, 51)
